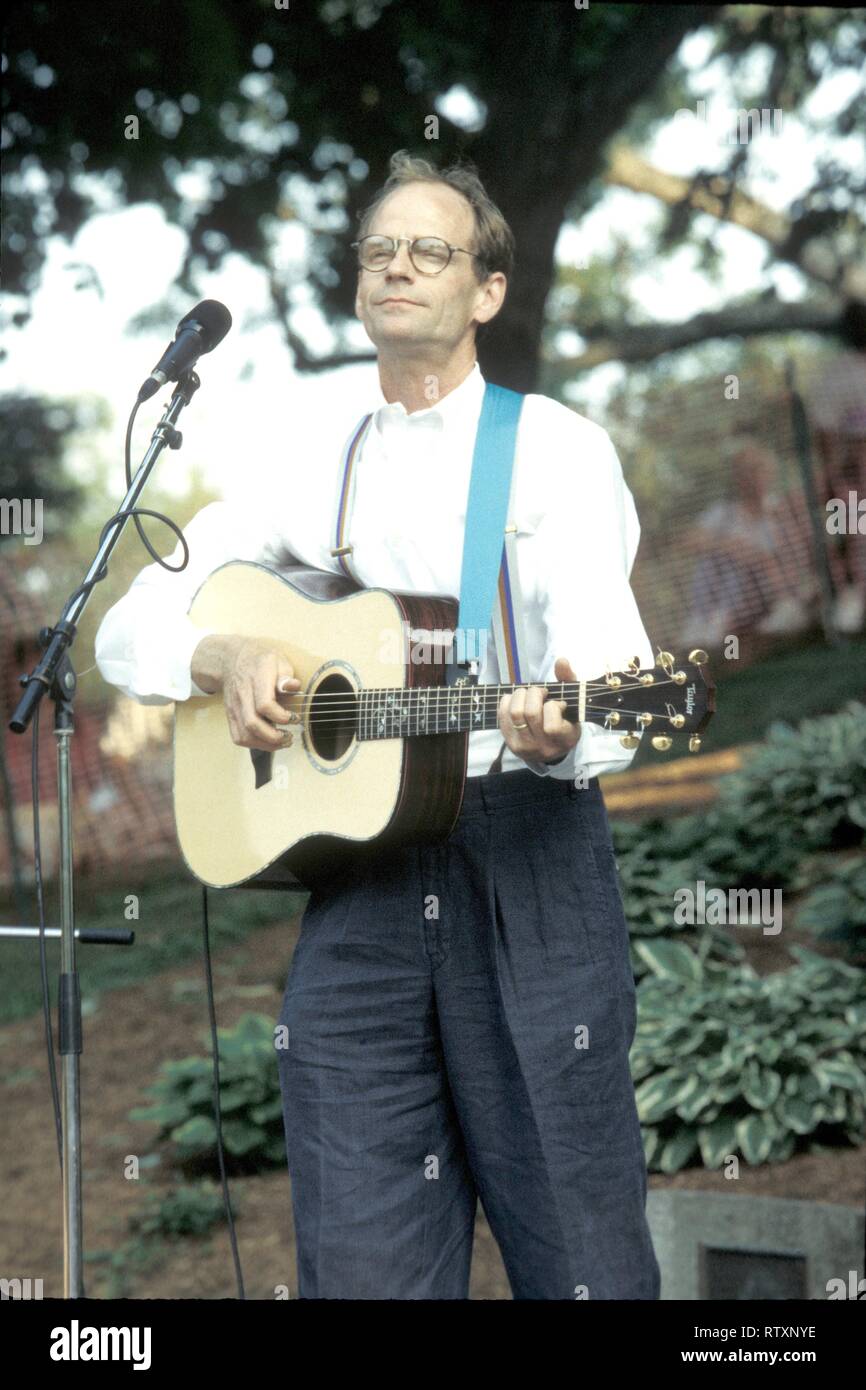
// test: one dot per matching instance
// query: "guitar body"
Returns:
(328, 801)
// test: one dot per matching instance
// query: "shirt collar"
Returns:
(455, 407)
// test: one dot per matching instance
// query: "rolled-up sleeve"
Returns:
(145, 642)
(587, 542)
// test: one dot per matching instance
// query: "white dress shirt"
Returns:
(577, 534)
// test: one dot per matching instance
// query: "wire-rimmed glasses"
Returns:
(428, 254)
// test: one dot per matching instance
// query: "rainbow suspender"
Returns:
(490, 512)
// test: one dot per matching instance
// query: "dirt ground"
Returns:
(126, 1038)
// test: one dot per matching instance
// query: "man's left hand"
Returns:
(532, 723)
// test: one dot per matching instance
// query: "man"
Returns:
(459, 1015)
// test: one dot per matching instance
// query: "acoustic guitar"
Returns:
(379, 749)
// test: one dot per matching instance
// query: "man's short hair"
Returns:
(494, 240)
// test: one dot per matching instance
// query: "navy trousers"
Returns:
(459, 1021)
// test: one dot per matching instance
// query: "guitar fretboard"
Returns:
(387, 713)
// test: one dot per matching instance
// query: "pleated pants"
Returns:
(458, 1022)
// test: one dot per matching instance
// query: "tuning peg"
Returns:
(666, 661)
(629, 740)
(699, 656)
(613, 681)
(661, 742)
(612, 718)
(678, 720)
(645, 720)
(633, 666)
(647, 678)
(695, 743)
(679, 677)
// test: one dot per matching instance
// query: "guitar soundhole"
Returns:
(333, 718)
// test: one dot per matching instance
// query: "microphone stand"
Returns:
(54, 675)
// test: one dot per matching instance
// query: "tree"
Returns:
(255, 97)
(288, 116)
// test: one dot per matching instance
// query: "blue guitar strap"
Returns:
(485, 566)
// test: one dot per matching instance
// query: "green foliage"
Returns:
(727, 1063)
(167, 1217)
(185, 1211)
(803, 791)
(123, 1263)
(836, 907)
(252, 1116)
(801, 794)
(655, 859)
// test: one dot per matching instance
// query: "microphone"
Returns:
(197, 333)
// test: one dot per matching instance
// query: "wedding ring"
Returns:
(521, 726)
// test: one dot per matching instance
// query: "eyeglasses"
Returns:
(429, 254)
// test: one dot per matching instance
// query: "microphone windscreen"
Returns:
(212, 318)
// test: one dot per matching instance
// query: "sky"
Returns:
(79, 342)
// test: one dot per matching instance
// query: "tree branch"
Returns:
(303, 360)
(644, 342)
(717, 195)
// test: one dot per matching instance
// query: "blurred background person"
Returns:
(838, 409)
(746, 575)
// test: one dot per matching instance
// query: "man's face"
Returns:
(400, 306)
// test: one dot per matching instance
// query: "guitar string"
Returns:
(488, 707)
(462, 692)
(661, 724)
(355, 713)
(661, 719)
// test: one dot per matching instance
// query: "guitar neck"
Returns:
(445, 709)
(666, 698)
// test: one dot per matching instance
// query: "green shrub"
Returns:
(252, 1113)
(186, 1211)
(803, 791)
(836, 907)
(726, 1062)
(654, 860)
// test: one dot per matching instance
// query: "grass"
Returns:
(167, 933)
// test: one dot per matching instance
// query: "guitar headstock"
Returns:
(673, 697)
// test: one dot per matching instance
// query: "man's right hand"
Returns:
(257, 681)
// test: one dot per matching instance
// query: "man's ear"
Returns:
(497, 285)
